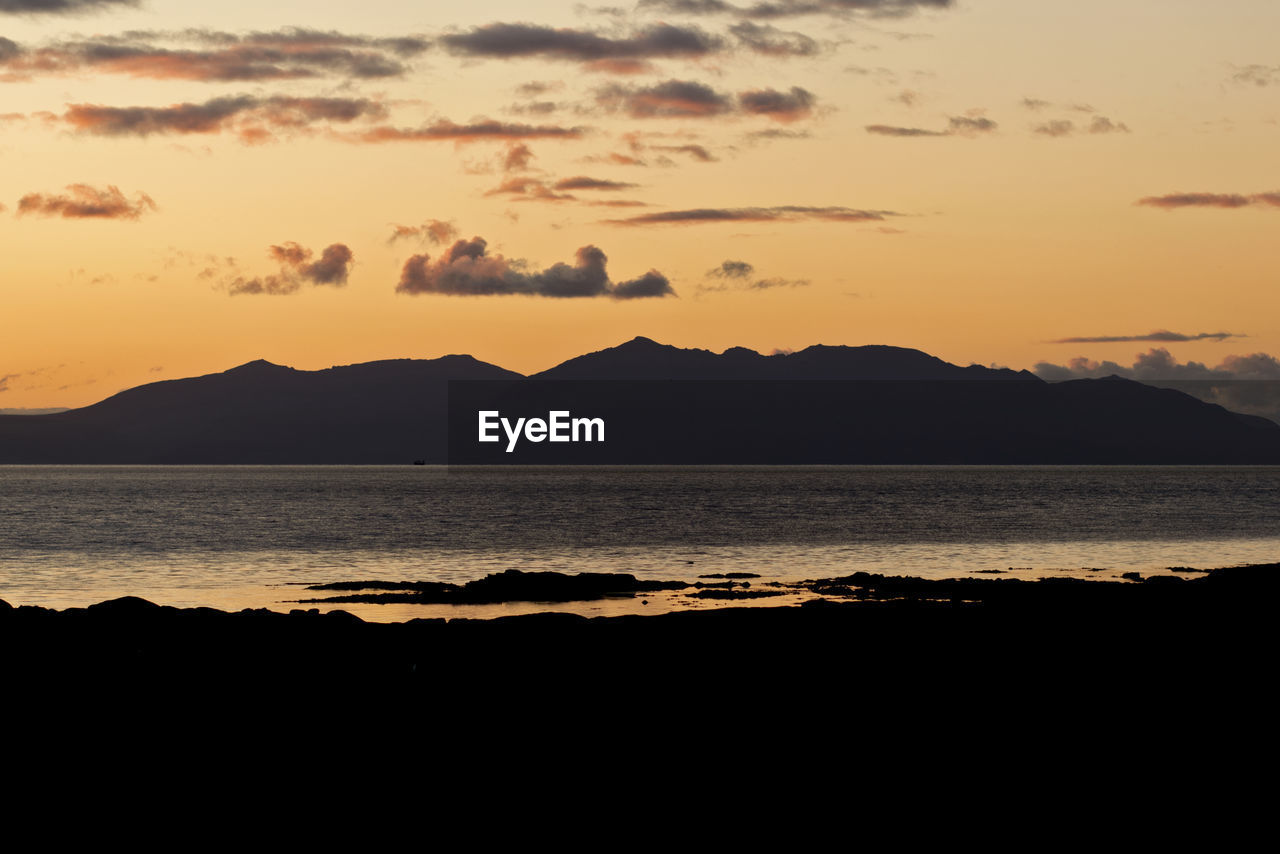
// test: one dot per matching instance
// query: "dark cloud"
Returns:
(732, 270)
(254, 117)
(771, 41)
(1159, 364)
(82, 201)
(467, 269)
(480, 130)
(1035, 103)
(1211, 200)
(673, 99)
(890, 130)
(622, 55)
(970, 125)
(1159, 335)
(741, 275)
(582, 182)
(1102, 124)
(1241, 383)
(794, 8)
(688, 99)
(434, 230)
(220, 57)
(60, 7)
(784, 213)
(783, 107)
(297, 269)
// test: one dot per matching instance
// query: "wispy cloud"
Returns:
(213, 56)
(60, 7)
(956, 126)
(782, 213)
(82, 201)
(1211, 200)
(796, 8)
(254, 118)
(1163, 335)
(741, 275)
(481, 130)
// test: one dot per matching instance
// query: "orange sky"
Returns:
(978, 179)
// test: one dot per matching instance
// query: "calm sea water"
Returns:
(231, 536)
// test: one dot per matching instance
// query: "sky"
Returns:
(1076, 188)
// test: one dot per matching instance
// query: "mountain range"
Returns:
(869, 404)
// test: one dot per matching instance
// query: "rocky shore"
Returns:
(1181, 642)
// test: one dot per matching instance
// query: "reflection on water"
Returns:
(227, 536)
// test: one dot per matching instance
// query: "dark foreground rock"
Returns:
(893, 646)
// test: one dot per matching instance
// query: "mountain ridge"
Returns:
(879, 403)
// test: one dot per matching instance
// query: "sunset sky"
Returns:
(185, 188)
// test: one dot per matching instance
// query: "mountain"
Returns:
(662, 404)
(645, 359)
(377, 412)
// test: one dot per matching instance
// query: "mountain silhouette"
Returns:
(869, 404)
(645, 359)
(377, 412)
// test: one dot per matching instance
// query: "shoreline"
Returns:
(1173, 633)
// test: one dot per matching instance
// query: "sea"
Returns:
(235, 537)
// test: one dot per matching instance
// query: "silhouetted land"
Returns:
(835, 405)
(1178, 646)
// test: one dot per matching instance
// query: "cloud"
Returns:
(1102, 124)
(1241, 383)
(1035, 103)
(600, 52)
(517, 158)
(219, 57)
(956, 126)
(582, 182)
(783, 213)
(1158, 335)
(1066, 127)
(255, 118)
(1257, 75)
(434, 230)
(777, 133)
(1057, 127)
(688, 99)
(85, 202)
(480, 130)
(1211, 200)
(467, 269)
(890, 130)
(297, 269)
(742, 275)
(785, 107)
(59, 7)
(970, 125)
(732, 270)
(770, 41)
(1158, 364)
(527, 189)
(794, 8)
(673, 99)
